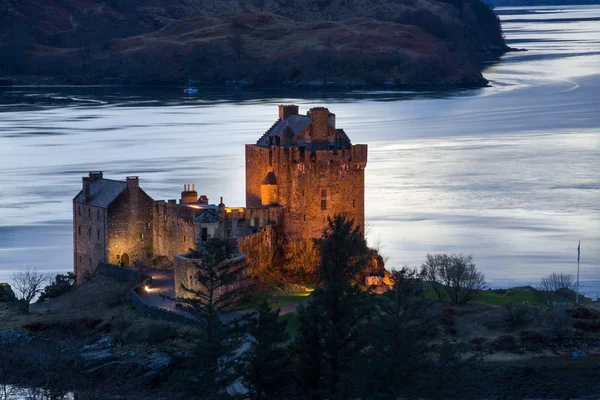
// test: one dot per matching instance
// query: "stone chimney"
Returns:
(287, 110)
(189, 195)
(320, 123)
(87, 190)
(95, 175)
(133, 182)
(203, 199)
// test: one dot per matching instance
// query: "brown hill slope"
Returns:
(298, 41)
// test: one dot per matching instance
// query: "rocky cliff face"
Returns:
(265, 41)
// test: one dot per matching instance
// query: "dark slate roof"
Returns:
(270, 179)
(103, 191)
(297, 123)
(207, 217)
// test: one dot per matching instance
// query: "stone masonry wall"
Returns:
(173, 229)
(89, 239)
(259, 248)
(304, 180)
(130, 226)
(185, 274)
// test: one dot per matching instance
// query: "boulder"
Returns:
(92, 359)
(158, 363)
(11, 337)
(105, 343)
(6, 293)
(579, 355)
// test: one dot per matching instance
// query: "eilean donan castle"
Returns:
(302, 170)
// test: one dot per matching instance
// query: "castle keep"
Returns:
(302, 170)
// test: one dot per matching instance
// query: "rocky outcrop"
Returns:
(11, 337)
(103, 358)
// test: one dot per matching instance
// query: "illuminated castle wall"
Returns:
(302, 170)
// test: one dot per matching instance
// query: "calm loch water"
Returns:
(508, 173)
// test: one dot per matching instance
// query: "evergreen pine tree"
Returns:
(307, 348)
(398, 336)
(265, 366)
(329, 338)
(220, 337)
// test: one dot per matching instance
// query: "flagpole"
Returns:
(578, 253)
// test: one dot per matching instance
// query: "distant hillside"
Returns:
(263, 41)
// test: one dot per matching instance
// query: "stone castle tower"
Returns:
(309, 167)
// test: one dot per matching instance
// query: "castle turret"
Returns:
(311, 169)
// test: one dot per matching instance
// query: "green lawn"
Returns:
(497, 297)
(277, 299)
(515, 295)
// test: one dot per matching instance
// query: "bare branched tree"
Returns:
(461, 279)
(432, 271)
(557, 281)
(27, 284)
(457, 273)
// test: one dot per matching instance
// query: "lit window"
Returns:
(141, 236)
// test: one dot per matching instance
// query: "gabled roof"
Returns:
(103, 192)
(207, 217)
(297, 123)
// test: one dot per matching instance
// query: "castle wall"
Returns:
(305, 179)
(173, 229)
(259, 248)
(184, 272)
(89, 239)
(130, 223)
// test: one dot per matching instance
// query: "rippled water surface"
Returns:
(508, 173)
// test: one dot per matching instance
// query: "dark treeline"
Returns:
(349, 344)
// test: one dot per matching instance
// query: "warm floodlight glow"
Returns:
(147, 288)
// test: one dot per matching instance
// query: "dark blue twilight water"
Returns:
(508, 173)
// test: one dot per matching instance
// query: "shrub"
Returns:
(505, 343)
(61, 285)
(478, 340)
(532, 338)
(152, 333)
(584, 313)
(587, 325)
(516, 314)
(557, 317)
(447, 318)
